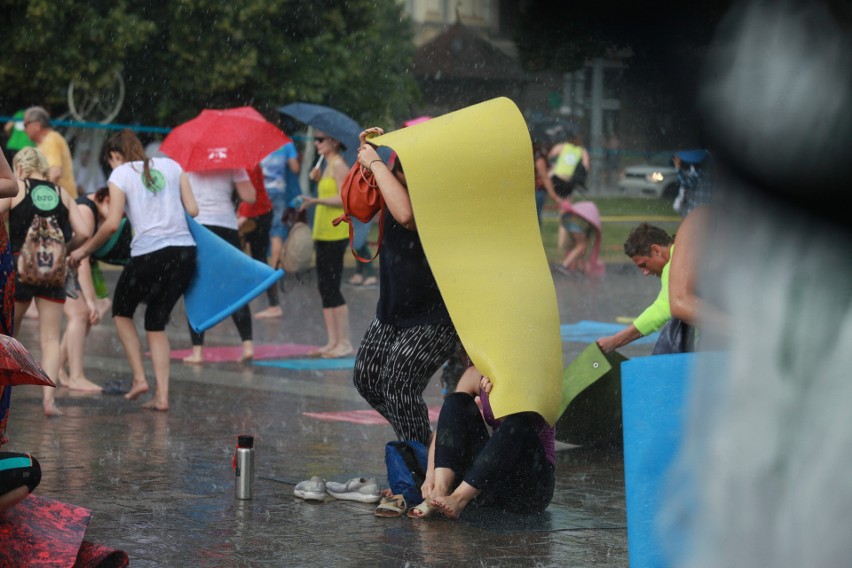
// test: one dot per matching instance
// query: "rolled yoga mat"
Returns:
(226, 279)
(470, 177)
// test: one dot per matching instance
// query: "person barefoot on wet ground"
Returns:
(38, 196)
(213, 190)
(511, 469)
(155, 193)
(330, 243)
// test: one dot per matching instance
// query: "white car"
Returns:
(657, 178)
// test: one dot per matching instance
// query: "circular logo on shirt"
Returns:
(44, 197)
(158, 181)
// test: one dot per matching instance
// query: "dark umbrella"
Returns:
(333, 122)
(17, 366)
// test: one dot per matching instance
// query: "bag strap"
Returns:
(352, 237)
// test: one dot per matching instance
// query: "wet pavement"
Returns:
(161, 487)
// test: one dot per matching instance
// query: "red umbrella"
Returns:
(17, 366)
(223, 139)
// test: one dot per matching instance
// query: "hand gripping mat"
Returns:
(470, 177)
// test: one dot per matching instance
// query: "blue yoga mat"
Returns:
(309, 364)
(589, 331)
(226, 279)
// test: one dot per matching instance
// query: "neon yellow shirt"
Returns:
(657, 314)
(325, 214)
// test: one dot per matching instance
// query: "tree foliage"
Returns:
(180, 56)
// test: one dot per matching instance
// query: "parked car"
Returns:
(656, 178)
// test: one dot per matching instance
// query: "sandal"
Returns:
(391, 507)
(424, 509)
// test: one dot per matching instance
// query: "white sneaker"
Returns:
(356, 489)
(311, 490)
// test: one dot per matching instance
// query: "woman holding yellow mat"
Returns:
(411, 335)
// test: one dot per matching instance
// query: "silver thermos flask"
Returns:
(244, 466)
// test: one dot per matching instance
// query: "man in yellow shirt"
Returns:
(53, 145)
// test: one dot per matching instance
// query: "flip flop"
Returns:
(423, 508)
(391, 507)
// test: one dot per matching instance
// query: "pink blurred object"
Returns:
(588, 211)
(418, 120)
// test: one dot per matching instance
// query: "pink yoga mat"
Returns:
(233, 353)
(363, 416)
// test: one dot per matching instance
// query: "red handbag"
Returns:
(362, 199)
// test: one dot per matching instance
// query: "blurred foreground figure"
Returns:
(763, 477)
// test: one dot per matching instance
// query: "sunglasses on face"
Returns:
(319, 139)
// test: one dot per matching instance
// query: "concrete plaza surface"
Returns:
(160, 486)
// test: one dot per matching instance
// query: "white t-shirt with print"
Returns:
(213, 190)
(156, 213)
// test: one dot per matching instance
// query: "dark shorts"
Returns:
(25, 293)
(563, 188)
(18, 470)
(159, 278)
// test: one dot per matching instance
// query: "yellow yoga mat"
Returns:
(470, 177)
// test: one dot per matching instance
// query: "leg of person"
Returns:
(369, 362)
(158, 343)
(20, 474)
(197, 340)
(242, 319)
(511, 472)
(359, 243)
(129, 338)
(258, 241)
(574, 257)
(329, 267)
(73, 346)
(414, 356)
(129, 291)
(343, 348)
(460, 436)
(49, 330)
(178, 266)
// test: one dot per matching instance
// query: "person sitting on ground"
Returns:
(650, 249)
(512, 469)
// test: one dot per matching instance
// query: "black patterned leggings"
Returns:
(393, 368)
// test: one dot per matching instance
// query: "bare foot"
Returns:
(50, 409)
(448, 505)
(246, 357)
(136, 389)
(153, 404)
(103, 305)
(320, 351)
(270, 312)
(342, 350)
(81, 384)
(193, 359)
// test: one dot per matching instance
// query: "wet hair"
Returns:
(641, 238)
(31, 159)
(37, 114)
(101, 194)
(128, 145)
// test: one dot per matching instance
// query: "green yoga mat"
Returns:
(591, 399)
